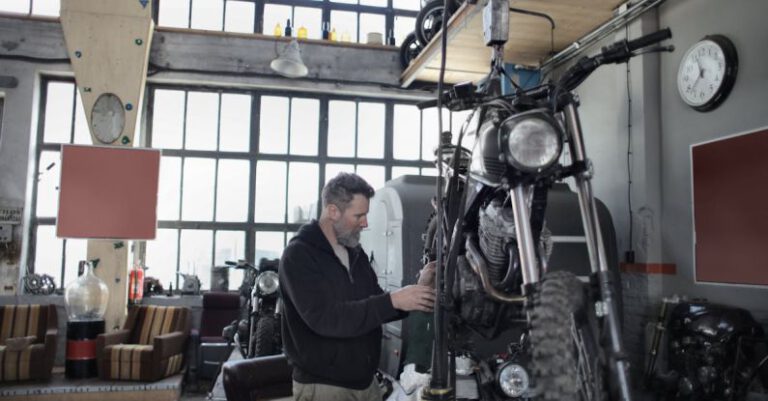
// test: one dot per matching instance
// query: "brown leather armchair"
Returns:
(27, 341)
(148, 348)
(261, 378)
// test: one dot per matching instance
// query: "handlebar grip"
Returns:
(427, 104)
(649, 39)
(230, 263)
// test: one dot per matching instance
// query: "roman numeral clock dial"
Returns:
(707, 72)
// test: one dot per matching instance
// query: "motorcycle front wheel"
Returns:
(566, 357)
(266, 328)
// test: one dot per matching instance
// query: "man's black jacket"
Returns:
(332, 317)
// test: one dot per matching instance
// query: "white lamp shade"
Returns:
(289, 63)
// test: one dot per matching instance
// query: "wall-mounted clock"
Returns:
(108, 118)
(707, 72)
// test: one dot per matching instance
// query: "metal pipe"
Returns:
(525, 241)
(477, 262)
(574, 49)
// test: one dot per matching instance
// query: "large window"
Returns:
(240, 172)
(45, 8)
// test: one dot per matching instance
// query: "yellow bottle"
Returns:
(278, 31)
(333, 34)
(302, 32)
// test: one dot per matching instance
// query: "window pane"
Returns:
(458, 119)
(270, 192)
(174, 13)
(202, 119)
(235, 125)
(239, 16)
(310, 18)
(406, 4)
(371, 23)
(58, 112)
(406, 132)
(333, 169)
(273, 132)
(403, 26)
(82, 133)
(195, 255)
(169, 188)
(230, 245)
(45, 7)
(232, 190)
(18, 6)
(375, 3)
(302, 192)
(345, 23)
(161, 257)
(273, 15)
(167, 118)
(197, 203)
(373, 174)
(370, 130)
(48, 250)
(398, 171)
(48, 173)
(305, 126)
(269, 244)
(77, 250)
(429, 171)
(207, 14)
(430, 132)
(341, 128)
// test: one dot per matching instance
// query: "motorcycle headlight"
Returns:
(513, 380)
(533, 141)
(268, 282)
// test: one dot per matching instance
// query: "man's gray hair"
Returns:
(341, 189)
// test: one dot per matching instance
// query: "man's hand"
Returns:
(427, 274)
(414, 298)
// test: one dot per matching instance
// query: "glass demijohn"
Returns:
(86, 297)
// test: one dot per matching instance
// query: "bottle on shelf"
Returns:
(288, 30)
(278, 31)
(333, 35)
(302, 32)
(326, 30)
(391, 38)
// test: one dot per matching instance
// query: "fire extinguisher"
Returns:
(136, 284)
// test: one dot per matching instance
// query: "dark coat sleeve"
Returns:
(312, 294)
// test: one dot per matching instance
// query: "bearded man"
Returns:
(333, 305)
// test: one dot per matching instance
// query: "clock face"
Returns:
(707, 73)
(107, 118)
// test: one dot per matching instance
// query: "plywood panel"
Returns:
(529, 37)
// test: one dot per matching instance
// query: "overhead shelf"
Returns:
(529, 42)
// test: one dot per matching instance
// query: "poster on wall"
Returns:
(108, 193)
(730, 209)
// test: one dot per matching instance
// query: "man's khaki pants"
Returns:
(325, 392)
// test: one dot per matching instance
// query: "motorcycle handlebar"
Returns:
(650, 39)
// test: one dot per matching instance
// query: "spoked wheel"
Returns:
(409, 50)
(567, 364)
(429, 21)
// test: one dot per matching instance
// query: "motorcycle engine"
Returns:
(496, 233)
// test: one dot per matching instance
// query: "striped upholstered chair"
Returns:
(149, 347)
(27, 341)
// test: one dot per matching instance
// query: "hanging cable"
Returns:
(630, 256)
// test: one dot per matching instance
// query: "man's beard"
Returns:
(348, 238)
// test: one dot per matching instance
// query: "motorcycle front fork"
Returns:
(606, 306)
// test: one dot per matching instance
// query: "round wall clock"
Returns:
(108, 118)
(707, 72)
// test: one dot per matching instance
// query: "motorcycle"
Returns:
(258, 332)
(492, 242)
